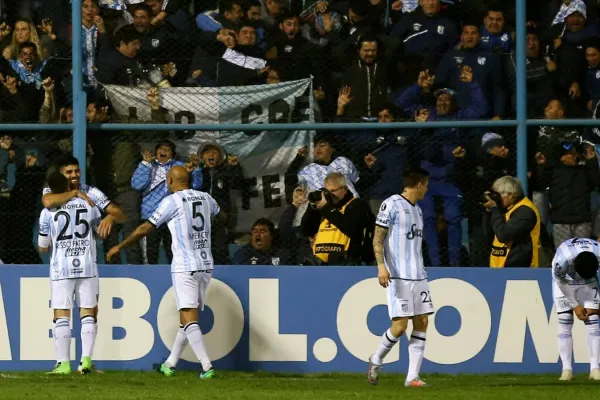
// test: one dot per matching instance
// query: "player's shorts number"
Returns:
(197, 213)
(79, 220)
(425, 297)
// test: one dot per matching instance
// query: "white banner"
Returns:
(264, 156)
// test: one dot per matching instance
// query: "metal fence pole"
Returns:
(521, 93)
(79, 97)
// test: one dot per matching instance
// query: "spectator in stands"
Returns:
(572, 177)
(93, 37)
(157, 44)
(252, 13)
(487, 71)
(238, 66)
(24, 31)
(364, 84)
(297, 57)
(15, 104)
(476, 172)
(515, 224)
(221, 173)
(542, 77)
(29, 66)
(290, 234)
(228, 15)
(150, 179)
(592, 78)
(262, 249)
(437, 154)
(569, 40)
(426, 35)
(271, 13)
(338, 220)
(494, 38)
(120, 65)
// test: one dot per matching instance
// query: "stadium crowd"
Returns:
(370, 60)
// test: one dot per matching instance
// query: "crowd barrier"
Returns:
(296, 319)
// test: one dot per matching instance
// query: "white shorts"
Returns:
(586, 295)
(409, 298)
(84, 291)
(190, 288)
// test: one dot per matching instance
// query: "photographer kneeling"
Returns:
(515, 223)
(341, 224)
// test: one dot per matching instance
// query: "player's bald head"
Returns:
(179, 174)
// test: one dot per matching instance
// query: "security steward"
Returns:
(340, 223)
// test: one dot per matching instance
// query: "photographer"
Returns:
(340, 222)
(515, 223)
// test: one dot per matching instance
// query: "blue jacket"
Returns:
(592, 84)
(146, 180)
(487, 71)
(437, 157)
(492, 43)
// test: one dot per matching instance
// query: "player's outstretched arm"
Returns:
(141, 231)
(378, 238)
(118, 215)
(55, 200)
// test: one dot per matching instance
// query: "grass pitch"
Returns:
(116, 385)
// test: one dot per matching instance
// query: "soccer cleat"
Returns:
(92, 368)
(417, 382)
(373, 372)
(62, 368)
(85, 366)
(166, 371)
(208, 374)
(566, 375)
(595, 374)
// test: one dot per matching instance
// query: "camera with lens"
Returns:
(494, 196)
(315, 197)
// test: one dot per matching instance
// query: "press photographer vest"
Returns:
(500, 251)
(330, 239)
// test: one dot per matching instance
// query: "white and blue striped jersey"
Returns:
(403, 245)
(188, 215)
(314, 174)
(70, 231)
(563, 269)
(95, 194)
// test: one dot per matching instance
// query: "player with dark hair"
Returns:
(575, 289)
(398, 246)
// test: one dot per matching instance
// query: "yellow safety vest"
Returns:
(501, 250)
(330, 239)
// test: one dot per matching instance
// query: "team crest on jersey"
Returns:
(598, 74)
(459, 60)
(275, 260)
(441, 29)
(481, 60)
(352, 31)
(155, 43)
(288, 49)
(485, 39)
(417, 27)
(504, 37)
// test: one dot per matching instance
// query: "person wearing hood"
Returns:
(221, 173)
(150, 179)
(569, 41)
(486, 67)
(240, 65)
(437, 154)
(476, 172)
(262, 249)
(229, 13)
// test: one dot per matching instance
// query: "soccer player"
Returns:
(69, 229)
(575, 289)
(187, 213)
(69, 167)
(398, 242)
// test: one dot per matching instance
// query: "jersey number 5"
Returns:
(197, 213)
(79, 220)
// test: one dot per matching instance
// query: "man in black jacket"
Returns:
(571, 180)
(262, 249)
(340, 223)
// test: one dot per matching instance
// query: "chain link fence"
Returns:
(254, 62)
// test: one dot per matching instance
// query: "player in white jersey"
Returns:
(68, 166)
(69, 231)
(575, 289)
(397, 243)
(188, 214)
